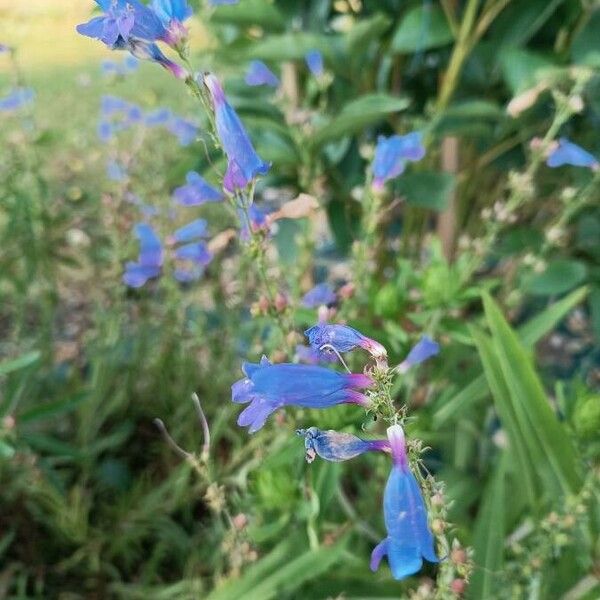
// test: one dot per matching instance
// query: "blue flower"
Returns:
(314, 62)
(310, 356)
(150, 51)
(252, 221)
(185, 131)
(244, 163)
(193, 256)
(336, 447)
(259, 74)
(409, 538)
(111, 105)
(111, 67)
(4, 49)
(343, 338)
(150, 258)
(321, 294)
(16, 99)
(160, 116)
(193, 230)
(568, 153)
(105, 131)
(196, 191)
(268, 387)
(122, 21)
(173, 13)
(392, 154)
(425, 348)
(222, 2)
(116, 171)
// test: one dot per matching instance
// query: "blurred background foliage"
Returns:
(95, 504)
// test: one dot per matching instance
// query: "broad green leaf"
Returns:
(291, 46)
(546, 438)
(357, 115)
(250, 12)
(530, 333)
(14, 364)
(423, 27)
(488, 538)
(522, 69)
(426, 190)
(364, 32)
(559, 277)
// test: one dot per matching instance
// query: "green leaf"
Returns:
(422, 28)
(522, 69)
(426, 190)
(357, 115)
(559, 277)
(549, 445)
(250, 12)
(585, 49)
(488, 538)
(291, 46)
(8, 366)
(53, 409)
(364, 32)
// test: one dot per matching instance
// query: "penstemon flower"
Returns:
(568, 153)
(16, 99)
(392, 154)
(314, 62)
(342, 338)
(259, 74)
(409, 538)
(268, 387)
(320, 295)
(196, 191)
(244, 163)
(173, 13)
(336, 447)
(425, 348)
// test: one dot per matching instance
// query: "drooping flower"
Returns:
(425, 348)
(16, 99)
(314, 62)
(568, 153)
(343, 338)
(409, 538)
(192, 256)
(196, 191)
(392, 154)
(268, 387)
(244, 163)
(173, 13)
(150, 51)
(336, 447)
(150, 259)
(122, 21)
(320, 295)
(259, 74)
(310, 356)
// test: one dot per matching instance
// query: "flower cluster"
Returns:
(268, 387)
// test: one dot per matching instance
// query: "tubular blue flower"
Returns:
(259, 74)
(343, 338)
(268, 387)
(257, 222)
(196, 191)
(310, 356)
(321, 294)
(392, 154)
(16, 99)
(196, 229)
(234, 138)
(122, 21)
(160, 116)
(173, 13)
(111, 105)
(222, 2)
(568, 153)
(150, 258)
(105, 131)
(185, 131)
(150, 51)
(409, 538)
(425, 348)
(314, 62)
(337, 447)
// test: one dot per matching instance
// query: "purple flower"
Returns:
(392, 154)
(409, 538)
(253, 221)
(173, 13)
(16, 99)
(343, 338)
(310, 356)
(259, 74)
(268, 387)
(243, 160)
(122, 21)
(568, 153)
(150, 258)
(321, 294)
(196, 191)
(116, 171)
(314, 62)
(185, 131)
(150, 51)
(425, 348)
(192, 256)
(160, 116)
(336, 447)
